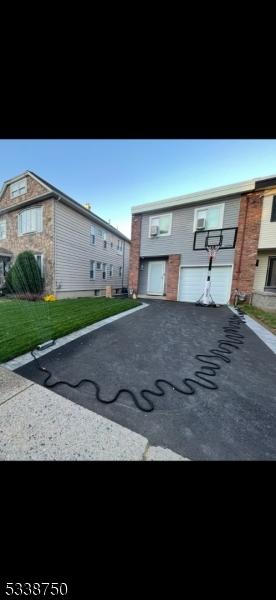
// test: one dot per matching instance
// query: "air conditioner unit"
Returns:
(154, 230)
(201, 223)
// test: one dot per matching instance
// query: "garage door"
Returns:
(192, 281)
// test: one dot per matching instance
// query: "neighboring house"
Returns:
(264, 287)
(79, 253)
(163, 262)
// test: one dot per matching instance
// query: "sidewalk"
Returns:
(37, 424)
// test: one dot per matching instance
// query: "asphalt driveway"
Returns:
(235, 422)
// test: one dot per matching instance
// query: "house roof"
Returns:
(67, 200)
(218, 192)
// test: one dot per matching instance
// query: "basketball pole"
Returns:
(207, 298)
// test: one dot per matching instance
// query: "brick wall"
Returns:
(33, 189)
(134, 259)
(247, 243)
(172, 276)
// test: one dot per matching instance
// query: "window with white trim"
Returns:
(99, 266)
(30, 220)
(110, 270)
(92, 269)
(100, 232)
(160, 225)
(18, 188)
(92, 235)
(120, 271)
(3, 230)
(213, 216)
(39, 260)
(105, 241)
(119, 246)
(104, 270)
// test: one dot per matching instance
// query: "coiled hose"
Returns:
(209, 369)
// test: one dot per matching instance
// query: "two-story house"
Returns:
(163, 261)
(79, 253)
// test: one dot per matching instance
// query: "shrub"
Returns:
(8, 282)
(25, 275)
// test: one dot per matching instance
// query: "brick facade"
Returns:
(247, 243)
(134, 259)
(36, 242)
(172, 276)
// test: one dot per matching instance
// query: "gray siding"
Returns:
(182, 236)
(73, 252)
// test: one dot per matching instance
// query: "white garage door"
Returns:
(192, 281)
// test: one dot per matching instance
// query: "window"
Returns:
(110, 270)
(39, 260)
(18, 188)
(92, 235)
(119, 246)
(92, 269)
(2, 230)
(100, 232)
(30, 221)
(163, 223)
(120, 271)
(99, 266)
(104, 270)
(212, 214)
(273, 211)
(105, 242)
(271, 272)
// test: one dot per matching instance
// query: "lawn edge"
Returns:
(23, 359)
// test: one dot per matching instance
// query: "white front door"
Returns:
(156, 278)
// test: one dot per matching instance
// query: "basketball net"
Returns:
(206, 299)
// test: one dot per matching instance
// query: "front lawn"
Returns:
(264, 317)
(24, 325)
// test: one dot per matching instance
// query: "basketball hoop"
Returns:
(212, 250)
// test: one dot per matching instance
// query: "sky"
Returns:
(114, 175)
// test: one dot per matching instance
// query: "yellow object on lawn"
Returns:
(49, 298)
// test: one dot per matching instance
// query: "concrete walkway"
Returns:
(37, 424)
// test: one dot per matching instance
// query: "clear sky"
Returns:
(114, 175)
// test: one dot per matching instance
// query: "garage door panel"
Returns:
(192, 281)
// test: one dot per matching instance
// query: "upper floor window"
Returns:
(2, 230)
(30, 220)
(100, 232)
(160, 225)
(18, 188)
(120, 246)
(92, 235)
(99, 266)
(273, 211)
(110, 270)
(105, 241)
(209, 217)
(104, 270)
(120, 271)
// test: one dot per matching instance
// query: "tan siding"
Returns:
(267, 237)
(74, 252)
(260, 273)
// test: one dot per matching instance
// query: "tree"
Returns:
(25, 276)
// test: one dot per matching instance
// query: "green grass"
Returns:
(265, 317)
(24, 325)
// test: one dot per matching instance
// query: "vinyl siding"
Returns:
(74, 251)
(267, 237)
(182, 236)
(261, 271)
